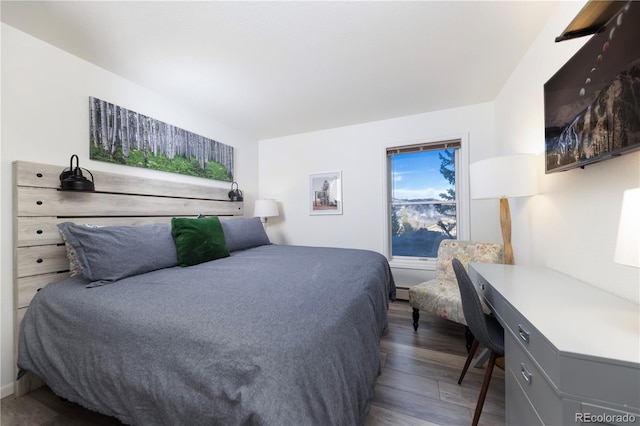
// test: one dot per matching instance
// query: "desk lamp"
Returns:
(504, 178)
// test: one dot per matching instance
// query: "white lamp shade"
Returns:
(265, 208)
(628, 243)
(508, 176)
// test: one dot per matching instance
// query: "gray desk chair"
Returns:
(485, 329)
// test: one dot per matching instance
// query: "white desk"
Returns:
(572, 350)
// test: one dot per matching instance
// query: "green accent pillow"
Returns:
(198, 240)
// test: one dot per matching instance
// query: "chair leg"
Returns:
(472, 352)
(416, 318)
(469, 337)
(485, 388)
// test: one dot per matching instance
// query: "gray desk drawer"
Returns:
(582, 413)
(538, 390)
(616, 383)
(519, 410)
(590, 413)
(492, 298)
(531, 341)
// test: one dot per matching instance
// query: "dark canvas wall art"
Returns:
(592, 104)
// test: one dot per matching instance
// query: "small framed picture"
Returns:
(325, 193)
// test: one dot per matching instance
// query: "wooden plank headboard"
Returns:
(38, 206)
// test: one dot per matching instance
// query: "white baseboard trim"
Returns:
(402, 293)
(6, 390)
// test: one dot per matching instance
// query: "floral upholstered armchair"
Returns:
(440, 296)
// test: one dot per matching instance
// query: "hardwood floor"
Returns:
(418, 385)
(419, 381)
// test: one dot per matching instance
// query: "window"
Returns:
(423, 198)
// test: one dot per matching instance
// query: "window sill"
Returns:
(420, 264)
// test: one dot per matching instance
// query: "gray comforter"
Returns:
(274, 335)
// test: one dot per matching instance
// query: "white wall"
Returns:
(45, 116)
(572, 225)
(359, 152)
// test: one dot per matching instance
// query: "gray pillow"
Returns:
(111, 253)
(75, 268)
(244, 233)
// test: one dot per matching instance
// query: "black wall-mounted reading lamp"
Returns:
(235, 194)
(71, 179)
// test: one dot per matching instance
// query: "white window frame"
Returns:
(462, 200)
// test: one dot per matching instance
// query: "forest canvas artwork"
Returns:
(122, 136)
(592, 104)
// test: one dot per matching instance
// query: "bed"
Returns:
(264, 334)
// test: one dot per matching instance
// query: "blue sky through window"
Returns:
(416, 175)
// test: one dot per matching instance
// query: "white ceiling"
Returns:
(277, 68)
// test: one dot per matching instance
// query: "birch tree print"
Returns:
(118, 135)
